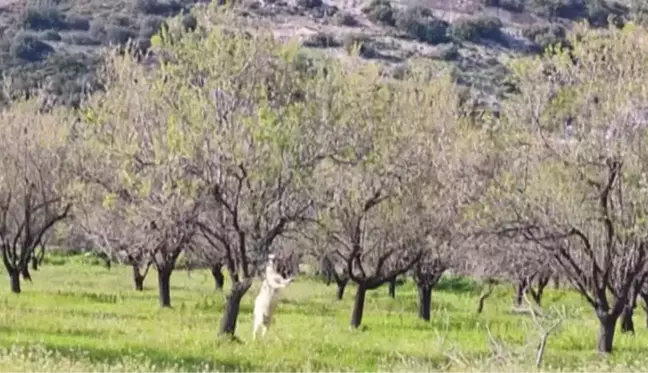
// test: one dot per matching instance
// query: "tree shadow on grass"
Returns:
(154, 357)
(457, 284)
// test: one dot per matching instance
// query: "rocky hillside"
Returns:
(54, 43)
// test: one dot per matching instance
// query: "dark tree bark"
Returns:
(341, 286)
(556, 281)
(138, 278)
(627, 324)
(358, 306)
(25, 273)
(392, 287)
(519, 291)
(34, 263)
(14, 279)
(232, 307)
(164, 286)
(219, 278)
(425, 301)
(484, 294)
(542, 282)
(607, 324)
(427, 275)
(644, 297)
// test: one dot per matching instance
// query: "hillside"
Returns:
(54, 43)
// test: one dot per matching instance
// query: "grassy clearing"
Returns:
(80, 317)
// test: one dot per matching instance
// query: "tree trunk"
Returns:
(358, 306)
(425, 301)
(14, 278)
(25, 273)
(556, 282)
(219, 279)
(607, 324)
(644, 297)
(164, 286)
(341, 285)
(138, 279)
(627, 325)
(392, 287)
(519, 294)
(34, 263)
(232, 307)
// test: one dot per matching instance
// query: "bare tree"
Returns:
(575, 144)
(33, 182)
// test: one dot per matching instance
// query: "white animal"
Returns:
(266, 301)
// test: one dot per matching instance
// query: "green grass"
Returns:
(77, 316)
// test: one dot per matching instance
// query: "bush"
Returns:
(189, 22)
(545, 36)
(116, 34)
(473, 29)
(345, 19)
(419, 23)
(27, 47)
(510, 5)
(43, 18)
(165, 8)
(149, 26)
(75, 22)
(366, 49)
(50, 35)
(309, 4)
(380, 12)
(322, 40)
(81, 38)
(446, 53)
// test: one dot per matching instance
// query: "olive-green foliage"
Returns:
(322, 40)
(362, 43)
(28, 47)
(381, 12)
(419, 22)
(473, 29)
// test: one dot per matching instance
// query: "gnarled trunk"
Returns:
(232, 307)
(164, 286)
(341, 286)
(425, 301)
(217, 273)
(14, 281)
(34, 263)
(607, 324)
(358, 306)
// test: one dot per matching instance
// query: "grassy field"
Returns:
(81, 317)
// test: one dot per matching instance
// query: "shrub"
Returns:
(116, 34)
(545, 35)
(366, 49)
(27, 47)
(50, 35)
(309, 4)
(448, 52)
(419, 23)
(149, 26)
(81, 38)
(76, 22)
(189, 22)
(380, 12)
(43, 18)
(322, 40)
(345, 19)
(165, 8)
(473, 29)
(510, 5)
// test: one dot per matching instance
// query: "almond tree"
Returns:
(33, 180)
(377, 204)
(575, 182)
(131, 168)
